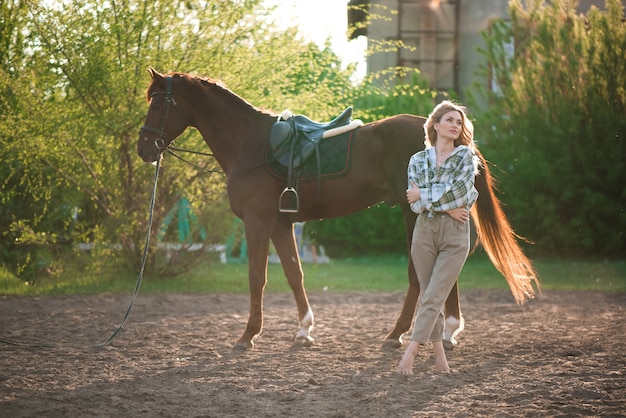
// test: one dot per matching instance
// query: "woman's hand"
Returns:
(413, 193)
(459, 214)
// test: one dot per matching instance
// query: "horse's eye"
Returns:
(157, 101)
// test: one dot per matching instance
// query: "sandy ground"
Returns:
(562, 354)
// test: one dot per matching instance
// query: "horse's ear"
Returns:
(154, 74)
(157, 79)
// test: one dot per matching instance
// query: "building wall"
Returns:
(449, 58)
(476, 17)
(382, 28)
(445, 38)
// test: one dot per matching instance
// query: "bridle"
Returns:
(159, 142)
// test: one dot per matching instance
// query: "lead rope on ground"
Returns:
(137, 285)
(144, 258)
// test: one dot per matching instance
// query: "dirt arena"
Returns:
(562, 354)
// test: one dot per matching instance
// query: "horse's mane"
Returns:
(208, 85)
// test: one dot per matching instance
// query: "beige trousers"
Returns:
(439, 249)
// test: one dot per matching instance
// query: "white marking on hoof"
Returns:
(452, 328)
(304, 341)
(305, 326)
(392, 344)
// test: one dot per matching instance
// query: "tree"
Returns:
(79, 102)
(74, 74)
(18, 239)
(556, 127)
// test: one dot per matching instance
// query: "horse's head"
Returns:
(165, 120)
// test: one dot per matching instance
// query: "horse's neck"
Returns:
(236, 132)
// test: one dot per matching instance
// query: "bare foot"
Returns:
(406, 364)
(441, 362)
(442, 368)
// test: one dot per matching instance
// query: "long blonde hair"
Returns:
(466, 137)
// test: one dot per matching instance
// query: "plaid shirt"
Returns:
(447, 187)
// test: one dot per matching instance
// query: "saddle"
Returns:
(294, 139)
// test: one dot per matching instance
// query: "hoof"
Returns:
(449, 344)
(392, 343)
(243, 346)
(303, 341)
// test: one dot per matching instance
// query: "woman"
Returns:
(441, 191)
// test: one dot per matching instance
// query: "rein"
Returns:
(191, 151)
(137, 285)
(170, 150)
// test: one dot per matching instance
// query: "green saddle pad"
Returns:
(334, 160)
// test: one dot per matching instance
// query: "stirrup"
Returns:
(293, 201)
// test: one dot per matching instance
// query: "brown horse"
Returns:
(238, 134)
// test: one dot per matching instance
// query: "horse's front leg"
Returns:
(285, 244)
(258, 240)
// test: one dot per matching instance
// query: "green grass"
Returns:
(381, 274)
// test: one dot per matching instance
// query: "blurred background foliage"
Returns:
(556, 129)
(72, 82)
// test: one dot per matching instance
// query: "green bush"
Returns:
(557, 128)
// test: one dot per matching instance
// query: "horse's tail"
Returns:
(499, 240)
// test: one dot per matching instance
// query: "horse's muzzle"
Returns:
(148, 156)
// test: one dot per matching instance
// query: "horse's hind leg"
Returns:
(403, 324)
(454, 319)
(285, 244)
(452, 309)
